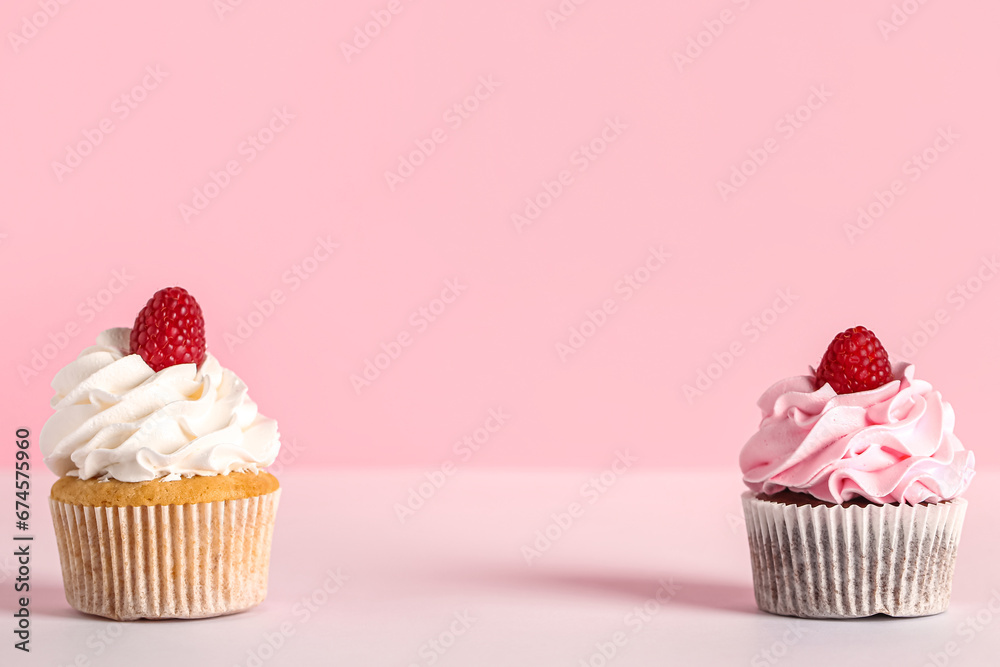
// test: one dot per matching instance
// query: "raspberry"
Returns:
(169, 330)
(855, 361)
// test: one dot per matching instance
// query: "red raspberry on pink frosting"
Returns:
(854, 361)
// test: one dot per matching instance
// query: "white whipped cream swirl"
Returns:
(118, 419)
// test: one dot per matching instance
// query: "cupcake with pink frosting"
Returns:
(855, 478)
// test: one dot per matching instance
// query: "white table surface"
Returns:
(461, 555)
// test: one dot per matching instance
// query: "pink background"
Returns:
(495, 346)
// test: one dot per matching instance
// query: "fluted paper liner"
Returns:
(166, 561)
(852, 561)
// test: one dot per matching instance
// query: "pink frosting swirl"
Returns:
(892, 444)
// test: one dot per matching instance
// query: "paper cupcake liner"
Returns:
(847, 562)
(166, 561)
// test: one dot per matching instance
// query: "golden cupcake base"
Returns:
(166, 557)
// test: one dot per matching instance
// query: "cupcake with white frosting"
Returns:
(855, 478)
(163, 508)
